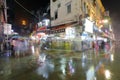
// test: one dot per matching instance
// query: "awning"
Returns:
(42, 28)
(62, 26)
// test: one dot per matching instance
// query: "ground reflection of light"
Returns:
(112, 57)
(95, 78)
(71, 67)
(33, 49)
(45, 69)
(42, 57)
(107, 74)
(83, 64)
(63, 69)
(84, 57)
(63, 65)
(90, 74)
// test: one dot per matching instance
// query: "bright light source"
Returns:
(70, 32)
(100, 30)
(12, 30)
(105, 21)
(46, 22)
(33, 49)
(33, 38)
(40, 24)
(88, 26)
(112, 57)
(23, 22)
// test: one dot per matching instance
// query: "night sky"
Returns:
(34, 4)
(114, 7)
(30, 5)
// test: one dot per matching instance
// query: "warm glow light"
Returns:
(23, 22)
(33, 37)
(105, 21)
(100, 26)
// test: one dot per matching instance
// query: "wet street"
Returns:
(60, 65)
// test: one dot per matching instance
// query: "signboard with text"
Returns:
(7, 29)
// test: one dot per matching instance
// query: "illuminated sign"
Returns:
(7, 29)
(88, 26)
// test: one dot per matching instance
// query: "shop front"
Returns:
(87, 34)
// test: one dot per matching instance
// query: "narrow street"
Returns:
(65, 66)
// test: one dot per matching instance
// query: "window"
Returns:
(56, 14)
(54, 0)
(52, 18)
(69, 8)
(59, 5)
(87, 10)
(84, 7)
(94, 2)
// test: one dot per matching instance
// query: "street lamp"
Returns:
(105, 21)
(23, 22)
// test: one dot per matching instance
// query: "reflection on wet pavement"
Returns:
(79, 66)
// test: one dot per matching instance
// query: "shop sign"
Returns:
(7, 29)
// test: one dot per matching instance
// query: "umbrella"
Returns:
(16, 37)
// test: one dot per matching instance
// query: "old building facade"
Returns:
(78, 18)
(67, 11)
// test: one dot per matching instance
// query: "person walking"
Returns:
(96, 47)
(107, 49)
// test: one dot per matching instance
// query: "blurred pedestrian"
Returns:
(93, 44)
(102, 45)
(96, 47)
(17, 48)
(107, 49)
(12, 48)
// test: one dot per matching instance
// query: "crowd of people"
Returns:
(15, 47)
(19, 47)
(22, 46)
